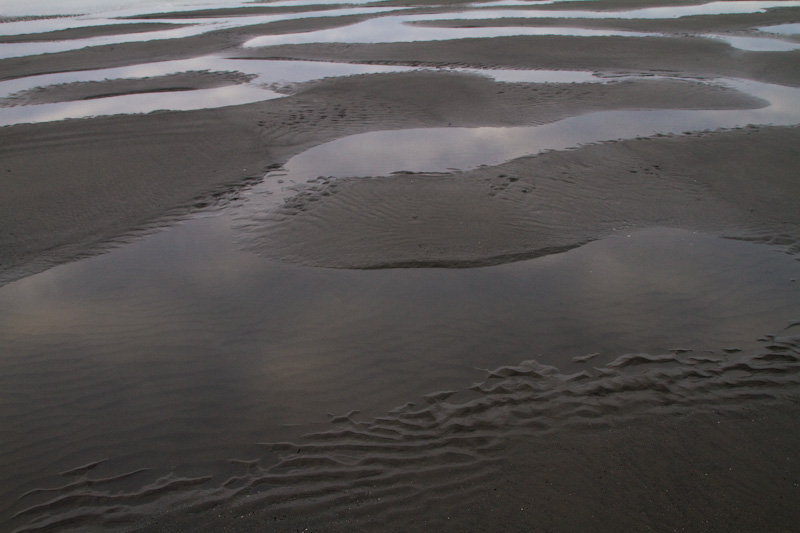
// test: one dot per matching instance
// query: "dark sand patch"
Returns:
(67, 92)
(539, 205)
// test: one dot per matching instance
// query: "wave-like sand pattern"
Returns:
(415, 456)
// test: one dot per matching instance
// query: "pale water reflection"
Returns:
(782, 29)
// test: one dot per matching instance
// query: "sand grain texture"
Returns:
(320, 312)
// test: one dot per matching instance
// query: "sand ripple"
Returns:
(415, 456)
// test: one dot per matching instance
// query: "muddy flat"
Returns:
(399, 266)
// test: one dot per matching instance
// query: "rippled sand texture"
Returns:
(399, 266)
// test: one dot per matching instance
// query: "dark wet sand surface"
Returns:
(348, 308)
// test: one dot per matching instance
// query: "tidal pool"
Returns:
(179, 352)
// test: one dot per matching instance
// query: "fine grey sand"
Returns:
(508, 282)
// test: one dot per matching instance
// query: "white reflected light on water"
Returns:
(138, 103)
(757, 44)
(402, 28)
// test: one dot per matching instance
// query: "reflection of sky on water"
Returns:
(394, 30)
(438, 149)
(195, 27)
(18, 8)
(710, 8)
(266, 72)
(137, 103)
(381, 29)
(757, 44)
(782, 29)
(180, 343)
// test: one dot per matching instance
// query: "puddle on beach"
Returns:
(397, 30)
(182, 346)
(197, 27)
(782, 29)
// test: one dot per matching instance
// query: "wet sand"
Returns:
(676, 409)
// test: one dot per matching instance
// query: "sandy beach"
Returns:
(400, 266)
